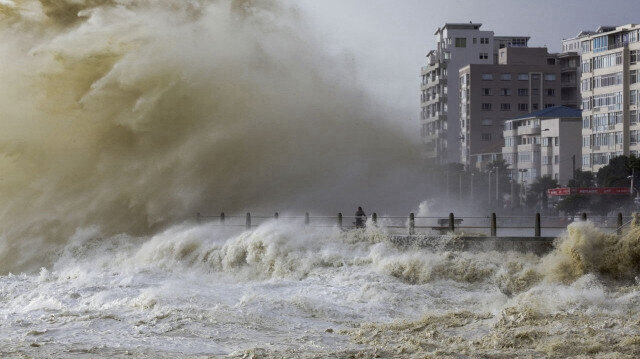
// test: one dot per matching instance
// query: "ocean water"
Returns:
(285, 291)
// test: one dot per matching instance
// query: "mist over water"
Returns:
(119, 120)
(131, 115)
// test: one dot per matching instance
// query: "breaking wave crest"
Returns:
(133, 115)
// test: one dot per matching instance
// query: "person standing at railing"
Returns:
(361, 218)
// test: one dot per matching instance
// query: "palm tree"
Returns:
(538, 191)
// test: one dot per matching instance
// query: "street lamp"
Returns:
(471, 190)
(522, 181)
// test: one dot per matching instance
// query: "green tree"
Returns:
(616, 174)
(573, 204)
(582, 179)
(537, 192)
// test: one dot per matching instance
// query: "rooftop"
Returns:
(459, 25)
(554, 112)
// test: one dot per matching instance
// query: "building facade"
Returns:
(609, 89)
(524, 80)
(457, 45)
(543, 143)
(570, 70)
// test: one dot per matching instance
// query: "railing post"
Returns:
(412, 224)
(494, 225)
(374, 218)
(537, 228)
(248, 220)
(619, 225)
(584, 217)
(452, 226)
(222, 217)
(306, 219)
(276, 216)
(340, 220)
(198, 217)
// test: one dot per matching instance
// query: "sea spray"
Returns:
(287, 290)
(132, 115)
(585, 249)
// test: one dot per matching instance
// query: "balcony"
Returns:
(528, 147)
(529, 130)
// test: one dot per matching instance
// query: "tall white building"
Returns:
(543, 143)
(609, 89)
(458, 45)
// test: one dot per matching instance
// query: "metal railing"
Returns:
(492, 225)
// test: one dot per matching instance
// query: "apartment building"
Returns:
(570, 70)
(545, 142)
(609, 89)
(458, 44)
(524, 80)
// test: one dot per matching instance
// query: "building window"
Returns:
(633, 117)
(634, 55)
(633, 97)
(551, 61)
(551, 92)
(524, 157)
(535, 107)
(484, 40)
(523, 77)
(505, 77)
(633, 76)
(586, 122)
(475, 40)
(461, 42)
(487, 77)
(556, 141)
(556, 159)
(548, 105)
(523, 92)
(523, 107)
(550, 77)
(535, 92)
(486, 107)
(505, 107)
(485, 137)
(484, 56)
(487, 122)
(505, 92)
(487, 92)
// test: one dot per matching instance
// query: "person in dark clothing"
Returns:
(361, 218)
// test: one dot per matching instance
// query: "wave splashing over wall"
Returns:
(289, 290)
(130, 115)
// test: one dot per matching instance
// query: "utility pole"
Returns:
(513, 193)
(489, 192)
(471, 188)
(447, 181)
(574, 167)
(633, 173)
(498, 185)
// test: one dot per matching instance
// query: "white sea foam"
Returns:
(294, 291)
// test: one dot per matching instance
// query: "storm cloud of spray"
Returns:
(130, 115)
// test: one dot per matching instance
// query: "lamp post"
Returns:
(523, 183)
(489, 191)
(471, 188)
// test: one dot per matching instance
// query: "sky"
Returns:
(387, 40)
